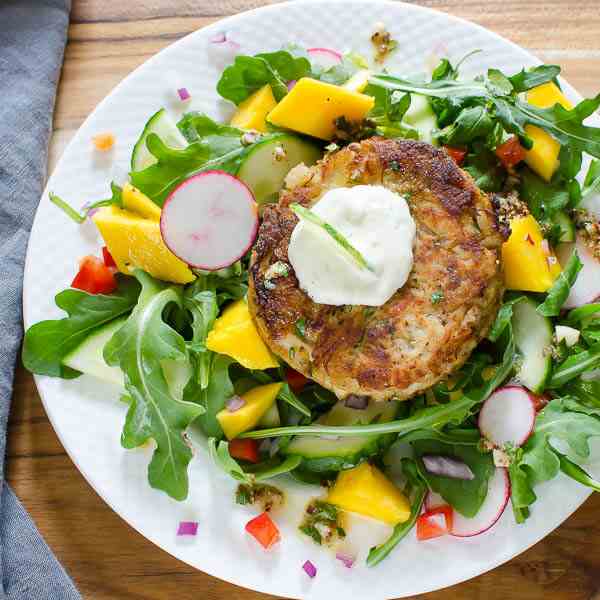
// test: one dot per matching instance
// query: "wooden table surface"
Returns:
(107, 559)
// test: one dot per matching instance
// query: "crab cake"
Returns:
(429, 327)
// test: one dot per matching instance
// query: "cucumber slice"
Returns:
(567, 227)
(88, 359)
(270, 418)
(321, 454)
(421, 117)
(267, 163)
(533, 338)
(161, 124)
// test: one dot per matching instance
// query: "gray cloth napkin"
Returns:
(32, 42)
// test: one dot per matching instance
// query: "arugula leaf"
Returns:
(212, 146)
(172, 166)
(483, 166)
(583, 312)
(273, 468)
(460, 437)
(503, 319)
(80, 217)
(574, 365)
(388, 112)
(424, 418)
(340, 73)
(48, 342)
(586, 394)
(574, 471)
(530, 78)
(538, 461)
(200, 300)
(560, 289)
(416, 490)
(472, 123)
(522, 495)
(543, 199)
(591, 183)
(466, 496)
(213, 397)
(139, 348)
(249, 73)
(288, 396)
(219, 452)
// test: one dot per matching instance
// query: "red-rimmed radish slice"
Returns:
(324, 57)
(507, 416)
(586, 288)
(433, 500)
(210, 220)
(491, 510)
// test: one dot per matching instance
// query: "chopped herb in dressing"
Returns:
(322, 523)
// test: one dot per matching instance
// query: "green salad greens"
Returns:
(193, 366)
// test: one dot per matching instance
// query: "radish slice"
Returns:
(210, 220)
(324, 57)
(491, 510)
(433, 500)
(507, 416)
(587, 285)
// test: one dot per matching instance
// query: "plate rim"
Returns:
(466, 574)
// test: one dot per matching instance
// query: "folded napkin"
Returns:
(32, 42)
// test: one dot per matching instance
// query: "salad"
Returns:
(233, 247)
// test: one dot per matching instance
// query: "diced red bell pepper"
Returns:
(263, 530)
(244, 450)
(296, 380)
(434, 523)
(511, 152)
(94, 277)
(457, 154)
(109, 261)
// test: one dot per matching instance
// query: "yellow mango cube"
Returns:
(235, 335)
(252, 111)
(528, 266)
(136, 242)
(543, 156)
(367, 491)
(257, 402)
(139, 203)
(312, 107)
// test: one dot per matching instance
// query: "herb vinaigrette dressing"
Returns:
(377, 223)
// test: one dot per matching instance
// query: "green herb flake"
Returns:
(300, 326)
(437, 297)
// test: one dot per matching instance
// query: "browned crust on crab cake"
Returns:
(411, 342)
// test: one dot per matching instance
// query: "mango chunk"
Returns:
(367, 491)
(136, 242)
(543, 156)
(528, 266)
(235, 335)
(257, 402)
(139, 203)
(252, 111)
(313, 106)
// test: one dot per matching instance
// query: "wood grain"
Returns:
(106, 558)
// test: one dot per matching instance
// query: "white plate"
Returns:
(88, 416)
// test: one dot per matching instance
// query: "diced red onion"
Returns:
(187, 528)
(183, 94)
(309, 569)
(447, 467)
(357, 402)
(347, 560)
(221, 39)
(234, 403)
(291, 84)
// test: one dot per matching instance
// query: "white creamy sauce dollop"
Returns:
(378, 223)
